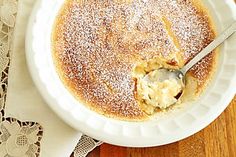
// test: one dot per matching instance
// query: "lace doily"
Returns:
(21, 139)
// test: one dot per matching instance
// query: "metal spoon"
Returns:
(180, 74)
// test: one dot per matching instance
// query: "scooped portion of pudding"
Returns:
(155, 89)
(158, 91)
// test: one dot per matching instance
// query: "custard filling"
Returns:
(153, 89)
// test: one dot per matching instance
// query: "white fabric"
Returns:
(25, 103)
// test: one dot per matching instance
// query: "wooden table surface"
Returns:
(216, 140)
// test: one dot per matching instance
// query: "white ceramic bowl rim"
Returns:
(179, 124)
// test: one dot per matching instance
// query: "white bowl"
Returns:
(168, 128)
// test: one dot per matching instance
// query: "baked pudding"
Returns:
(107, 52)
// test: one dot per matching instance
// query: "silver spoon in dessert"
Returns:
(179, 76)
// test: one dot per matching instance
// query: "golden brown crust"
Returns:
(96, 44)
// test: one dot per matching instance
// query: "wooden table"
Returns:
(216, 140)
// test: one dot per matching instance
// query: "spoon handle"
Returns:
(215, 43)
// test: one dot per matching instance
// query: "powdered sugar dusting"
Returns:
(97, 43)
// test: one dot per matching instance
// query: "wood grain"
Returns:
(230, 119)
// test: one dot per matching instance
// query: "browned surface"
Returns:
(216, 140)
(96, 46)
